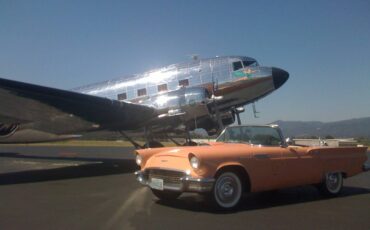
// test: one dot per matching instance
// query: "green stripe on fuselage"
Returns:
(241, 73)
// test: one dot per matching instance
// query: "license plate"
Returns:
(156, 184)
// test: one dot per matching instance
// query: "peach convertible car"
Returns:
(246, 159)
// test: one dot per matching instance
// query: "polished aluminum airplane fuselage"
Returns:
(195, 89)
(201, 72)
(204, 93)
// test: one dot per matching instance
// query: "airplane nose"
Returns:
(279, 77)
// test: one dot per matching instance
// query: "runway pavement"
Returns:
(94, 188)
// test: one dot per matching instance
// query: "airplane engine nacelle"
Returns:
(190, 102)
(196, 101)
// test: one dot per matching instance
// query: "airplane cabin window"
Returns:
(122, 96)
(162, 88)
(141, 92)
(237, 65)
(184, 82)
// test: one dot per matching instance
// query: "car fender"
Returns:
(229, 164)
(245, 175)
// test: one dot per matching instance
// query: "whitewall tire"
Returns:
(227, 190)
(332, 184)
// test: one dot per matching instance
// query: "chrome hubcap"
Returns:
(333, 181)
(227, 190)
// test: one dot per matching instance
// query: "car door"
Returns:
(264, 167)
(298, 167)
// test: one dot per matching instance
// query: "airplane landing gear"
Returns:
(149, 143)
(237, 112)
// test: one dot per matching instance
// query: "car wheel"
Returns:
(227, 190)
(166, 195)
(332, 184)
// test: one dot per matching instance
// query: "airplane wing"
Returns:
(53, 111)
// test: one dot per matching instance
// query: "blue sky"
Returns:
(324, 45)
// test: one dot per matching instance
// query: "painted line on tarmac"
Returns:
(26, 162)
(133, 204)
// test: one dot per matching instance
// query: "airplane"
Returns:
(202, 93)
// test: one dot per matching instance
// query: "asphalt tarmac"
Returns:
(94, 188)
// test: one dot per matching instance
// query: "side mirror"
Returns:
(289, 141)
(283, 144)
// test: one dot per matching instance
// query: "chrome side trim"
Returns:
(262, 156)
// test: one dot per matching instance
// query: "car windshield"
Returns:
(257, 135)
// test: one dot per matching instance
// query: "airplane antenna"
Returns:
(213, 79)
(195, 57)
(255, 113)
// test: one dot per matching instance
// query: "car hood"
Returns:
(183, 151)
(178, 157)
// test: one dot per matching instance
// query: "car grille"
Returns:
(169, 177)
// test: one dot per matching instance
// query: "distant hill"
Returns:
(347, 128)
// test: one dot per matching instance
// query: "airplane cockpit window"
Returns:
(250, 63)
(237, 65)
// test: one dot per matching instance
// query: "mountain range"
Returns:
(353, 128)
(340, 129)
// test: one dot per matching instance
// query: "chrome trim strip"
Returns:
(262, 156)
(201, 180)
(166, 169)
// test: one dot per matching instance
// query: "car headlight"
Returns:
(139, 159)
(194, 162)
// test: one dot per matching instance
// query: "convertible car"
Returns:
(246, 159)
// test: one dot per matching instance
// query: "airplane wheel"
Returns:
(332, 184)
(166, 195)
(227, 191)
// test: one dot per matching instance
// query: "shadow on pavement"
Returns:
(263, 200)
(93, 167)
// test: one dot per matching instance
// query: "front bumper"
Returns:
(182, 184)
(366, 167)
